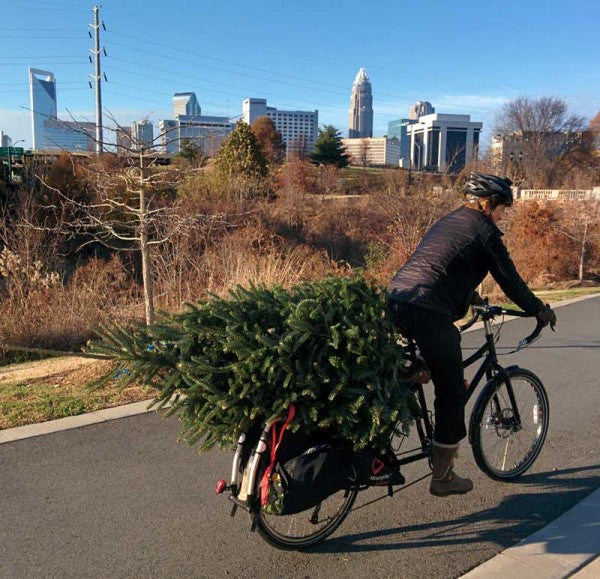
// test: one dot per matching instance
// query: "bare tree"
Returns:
(132, 207)
(363, 153)
(545, 141)
(581, 223)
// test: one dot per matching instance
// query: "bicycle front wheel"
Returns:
(299, 531)
(509, 425)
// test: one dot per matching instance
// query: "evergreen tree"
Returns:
(241, 155)
(227, 365)
(192, 153)
(270, 140)
(328, 148)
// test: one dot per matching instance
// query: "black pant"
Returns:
(439, 343)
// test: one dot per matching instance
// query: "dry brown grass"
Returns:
(254, 256)
(60, 390)
(51, 301)
(37, 314)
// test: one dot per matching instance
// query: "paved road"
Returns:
(124, 499)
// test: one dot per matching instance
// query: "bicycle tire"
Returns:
(503, 448)
(286, 531)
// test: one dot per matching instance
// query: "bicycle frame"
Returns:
(489, 368)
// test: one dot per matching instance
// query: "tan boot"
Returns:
(444, 481)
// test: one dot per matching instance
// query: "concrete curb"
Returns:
(567, 547)
(29, 430)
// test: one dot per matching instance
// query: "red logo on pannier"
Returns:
(377, 466)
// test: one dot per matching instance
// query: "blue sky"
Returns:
(465, 56)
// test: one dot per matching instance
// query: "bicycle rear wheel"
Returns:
(506, 440)
(299, 531)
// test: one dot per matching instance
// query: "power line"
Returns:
(410, 72)
(195, 54)
(342, 90)
(54, 37)
(44, 29)
(37, 57)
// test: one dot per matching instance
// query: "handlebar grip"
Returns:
(469, 323)
(533, 336)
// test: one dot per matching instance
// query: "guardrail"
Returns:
(560, 194)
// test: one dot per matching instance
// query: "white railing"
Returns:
(560, 194)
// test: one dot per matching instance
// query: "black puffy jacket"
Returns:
(452, 259)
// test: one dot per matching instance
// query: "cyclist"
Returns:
(435, 287)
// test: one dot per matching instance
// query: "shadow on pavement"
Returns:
(516, 517)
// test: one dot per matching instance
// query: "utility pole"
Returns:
(97, 76)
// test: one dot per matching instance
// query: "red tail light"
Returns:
(221, 486)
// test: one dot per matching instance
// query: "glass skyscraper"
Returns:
(185, 104)
(48, 131)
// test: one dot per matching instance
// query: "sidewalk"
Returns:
(567, 547)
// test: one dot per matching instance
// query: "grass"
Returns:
(60, 396)
(565, 294)
(558, 295)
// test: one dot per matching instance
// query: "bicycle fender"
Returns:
(492, 382)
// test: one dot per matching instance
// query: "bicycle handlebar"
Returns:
(488, 312)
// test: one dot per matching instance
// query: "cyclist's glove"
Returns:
(547, 316)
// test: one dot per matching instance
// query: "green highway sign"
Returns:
(14, 151)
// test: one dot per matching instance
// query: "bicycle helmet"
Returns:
(496, 188)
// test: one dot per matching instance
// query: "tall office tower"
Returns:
(142, 134)
(361, 107)
(186, 104)
(48, 131)
(5, 140)
(42, 93)
(420, 109)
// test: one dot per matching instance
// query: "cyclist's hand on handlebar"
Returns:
(547, 316)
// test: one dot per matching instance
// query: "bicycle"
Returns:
(507, 430)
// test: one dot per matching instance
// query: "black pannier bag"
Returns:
(306, 469)
(371, 468)
(306, 480)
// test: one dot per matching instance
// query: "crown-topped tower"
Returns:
(361, 107)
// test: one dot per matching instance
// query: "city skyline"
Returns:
(481, 57)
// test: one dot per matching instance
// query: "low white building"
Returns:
(373, 151)
(443, 142)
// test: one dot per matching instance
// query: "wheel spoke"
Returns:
(502, 447)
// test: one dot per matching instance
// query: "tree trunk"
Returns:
(145, 248)
(582, 253)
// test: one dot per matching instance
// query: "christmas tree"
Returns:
(227, 365)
